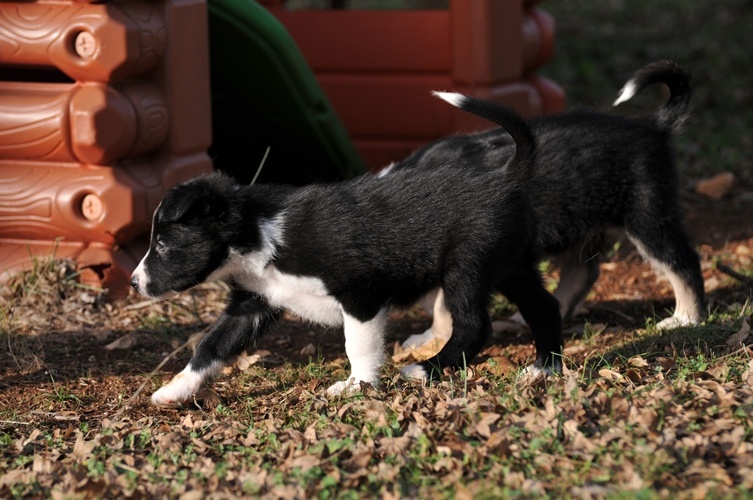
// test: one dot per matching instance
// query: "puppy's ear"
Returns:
(191, 207)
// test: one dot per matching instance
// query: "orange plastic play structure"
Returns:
(97, 120)
(378, 67)
(104, 106)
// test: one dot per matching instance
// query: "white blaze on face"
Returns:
(140, 272)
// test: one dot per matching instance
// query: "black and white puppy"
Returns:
(593, 171)
(345, 253)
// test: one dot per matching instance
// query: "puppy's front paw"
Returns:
(179, 390)
(676, 322)
(536, 371)
(341, 387)
(348, 386)
(415, 372)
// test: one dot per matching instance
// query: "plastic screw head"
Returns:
(91, 207)
(85, 45)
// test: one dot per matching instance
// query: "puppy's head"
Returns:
(189, 236)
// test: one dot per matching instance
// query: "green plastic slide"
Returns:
(265, 95)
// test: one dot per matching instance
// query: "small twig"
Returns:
(10, 347)
(123, 466)
(745, 307)
(143, 384)
(13, 422)
(731, 272)
(140, 305)
(261, 165)
(744, 349)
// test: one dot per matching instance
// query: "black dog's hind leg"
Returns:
(666, 246)
(238, 328)
(578, 273)
(541, 311)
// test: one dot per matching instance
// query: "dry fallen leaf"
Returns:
(245, 361)
(194, 340)
(308, 350)
(125, 342)
(610, 374)
(739, 338)
(82, 448)
(716, 187)
(420, 353)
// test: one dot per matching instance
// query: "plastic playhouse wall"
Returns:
(378, 67)
(105, 105)
(99, 116)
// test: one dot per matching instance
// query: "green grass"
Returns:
(599, 44)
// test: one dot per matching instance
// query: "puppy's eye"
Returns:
(160, 247)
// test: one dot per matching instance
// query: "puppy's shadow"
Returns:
(74, 357)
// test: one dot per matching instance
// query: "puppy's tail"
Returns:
(675, 111)
(520, 166)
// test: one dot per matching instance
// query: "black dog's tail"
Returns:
(676, 109)
(520, 166)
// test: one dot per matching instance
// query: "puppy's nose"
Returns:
(135, 282)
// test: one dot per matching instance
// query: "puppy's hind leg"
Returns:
(441, 326)
(541, 311)
(578, 273)
(237, 329)
(470, 328)
(364, 345)
(667, 248)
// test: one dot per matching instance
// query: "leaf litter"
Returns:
(635, 410)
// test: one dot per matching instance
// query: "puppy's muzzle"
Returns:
(135, 282)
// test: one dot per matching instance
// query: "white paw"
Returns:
(676, 322)
(415, 372)
(179, 390)
(340, 387)
(534, 371)
(346, 386)
(532, 376)
(425, 339)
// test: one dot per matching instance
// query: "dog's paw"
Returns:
(340, 387)
(348, 386)
(536, 371)
(533, 376)
(179, 390)
(415, 372)
(676, 322)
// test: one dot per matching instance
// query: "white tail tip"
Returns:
(453, 98)
(627, 92)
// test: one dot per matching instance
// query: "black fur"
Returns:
(229, 336)
(593, 171)
(373, 243)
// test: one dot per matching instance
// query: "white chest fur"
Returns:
(303, 295)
